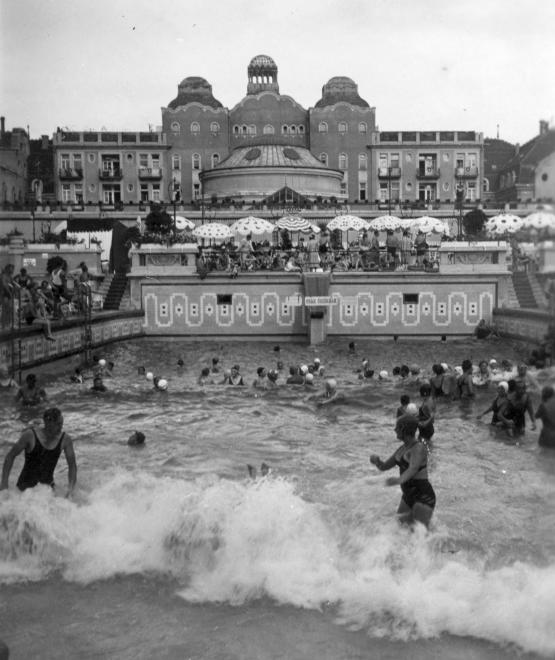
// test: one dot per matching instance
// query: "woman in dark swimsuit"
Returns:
(498, 406)
(418, 500)
(436, 381)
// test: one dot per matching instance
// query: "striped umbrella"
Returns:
(294, 223)
(252, 225)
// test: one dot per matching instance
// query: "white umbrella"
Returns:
(386, 222)
(252, 225)
(427, 225)
(347, 223)
(182, 223)
(504, 223)
(539, 220)
(294, 223)
(213, 230)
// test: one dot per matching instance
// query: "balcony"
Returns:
(466, 172)
(389, 172)
(110, 174)
(150, 173)
(70, 174)
(429, 172)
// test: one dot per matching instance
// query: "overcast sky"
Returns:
(424, 64)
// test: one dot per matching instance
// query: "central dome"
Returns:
(264, 61)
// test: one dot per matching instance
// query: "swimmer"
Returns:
(180, 362)
(437, 380)
(309, 381)
(383, 375)
(279, 365)
(404, 401)
(272, 379)
(136, 439)
(482, 377)
(404, 371)
(317, 368)
(519, 404)
(205, 378)
(464, 381)
(98, 384)
(215, 369)
(546, 412)
(6, 382)
(161, 384)
(418, 500)
(261, 378)
(352, 348)
(426, 414)
(498, 407)
(295, 376)
(77, 376)
(234, 377)
(30, 394)
(330, 394)
(264, 470)
(149, 376)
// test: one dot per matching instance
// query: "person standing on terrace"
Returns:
(313, 256)
(246, 249)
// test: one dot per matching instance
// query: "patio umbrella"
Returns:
(504, 223)
(428, 225)
(347, 223)
(294, 223)
(182, 223)
(386, 222)
(539, 220)
(252, 225)
(213, 231)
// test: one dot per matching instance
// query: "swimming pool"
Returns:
(172, 551)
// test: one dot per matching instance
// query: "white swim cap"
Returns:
(459, 370)
(383, 374)
(493, 361)
(102, 362)
(316, 360)
(149, 375)
(304, 369)
(162, 384)
(331, 384)
(504, 385)
(412, 409)
(309, 378)
(444, 366)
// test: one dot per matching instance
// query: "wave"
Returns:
(235, 541)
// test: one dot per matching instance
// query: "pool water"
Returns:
(173, 551)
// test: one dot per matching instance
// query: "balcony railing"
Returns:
(70, 173)
(110, 174)
(467, 172)
(150, 173)
(389, 172)
(429, 172)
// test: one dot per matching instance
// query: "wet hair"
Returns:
(466, 365)
(405, 399)
(260, 371)
(205, 371)
(404, 370)
(180, 362)
(396, 371)
(272, 375)
(52, 415)
(425, 390)
(293, 371)
(512, 385)
(437, 369)
(215, 360)
(368, 373)
(31, 378)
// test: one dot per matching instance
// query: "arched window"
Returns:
(268, 129)
(236, 130)
(176, 126)
(285, 129)
(215, 159)
(363, 127)
(244, 130)
(251, 129)
(324, 158)
(195, 128)
(342, 127)
(342, 161)
(362, 161)
(195, 158)
(322, 127)
(293, 129)
(214, 127)
(301, 129)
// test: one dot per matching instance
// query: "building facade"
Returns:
(266, 143)
(14, 156)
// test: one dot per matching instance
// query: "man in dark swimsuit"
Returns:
(418, 500)
(42, 447)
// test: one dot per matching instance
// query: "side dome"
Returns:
(341, 88)
(194, 88)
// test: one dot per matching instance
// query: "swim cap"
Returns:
(309, 378)
(272, 375)
(504, 385)
(162, 384)
(412, 409)
(493, 361)
(149, 375)
(458, 370)
(383, 374)
(102, 363)
(316, 360)
(331, 384)
(414, 368)
(304, 369)
(364, 363)
(407, 424)
(444, 366)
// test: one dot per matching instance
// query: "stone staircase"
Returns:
(116, 290)
(528, 290)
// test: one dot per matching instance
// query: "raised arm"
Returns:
(21, 445)
(71, 464)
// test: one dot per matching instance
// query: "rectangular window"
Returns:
(155, 160)
(144, 192)
(383, 160)
(156, 192)
(362, 191)
(395, 192)
(196, 190)
(143, 160)
(394, 160)
(384, 192)
(410, 299)
(66, 192)
(111, 193)
(176, 162)
(78, 161)
(78, 191)
(64, 161)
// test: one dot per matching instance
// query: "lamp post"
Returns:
(389, 191)
(174, 190)
(459, 196)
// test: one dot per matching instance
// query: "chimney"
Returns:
(517, 149)
(44, 142)
(2, 125)
(544, 126)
